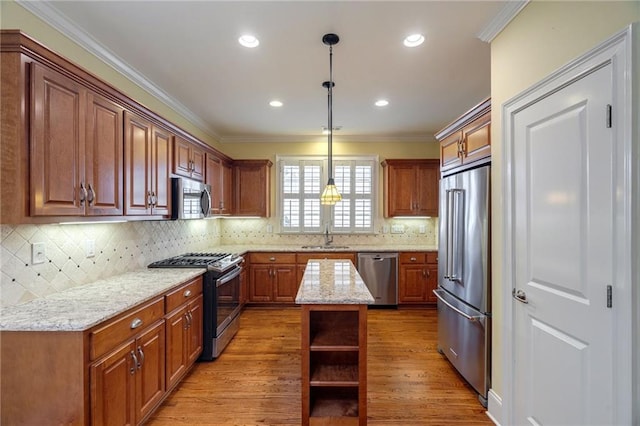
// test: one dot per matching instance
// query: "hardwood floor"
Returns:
(256, 381)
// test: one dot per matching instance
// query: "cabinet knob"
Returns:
(137, 322)
(187, 293)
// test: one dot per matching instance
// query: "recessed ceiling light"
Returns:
(382, 102)
(414, 40)
(248, 41)
(276, 104)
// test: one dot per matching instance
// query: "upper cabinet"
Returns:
(219, 174)
(468, 139)
(188, 159)
(252, 187)
(147, 159)
(411, 187)
(76, 148)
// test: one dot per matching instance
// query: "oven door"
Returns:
(227, 303)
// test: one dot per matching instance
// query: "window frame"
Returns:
(326, 212)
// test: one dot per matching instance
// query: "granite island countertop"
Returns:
(332, 282)
(83, 307)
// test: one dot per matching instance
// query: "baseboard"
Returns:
(494, 407)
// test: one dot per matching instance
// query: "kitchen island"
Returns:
(334, 301)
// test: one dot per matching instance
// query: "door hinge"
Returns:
(609, 296)
(609, 116)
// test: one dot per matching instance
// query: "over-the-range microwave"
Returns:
(190, 199)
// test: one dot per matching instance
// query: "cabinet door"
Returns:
(58, 109)
(286, 283)
(161, 171)
(137, 162)
(401, 189)
(113, 388)
(194, 342)
(431, 283)
(261, 283)
(176, 361)
(198, 163)
(227, 189)
(411, 285)
(428, 187)
(450, 151)
(182, 157)
(476, 139)
(252, 189)
(214, 179)
(150, 378)
(104, 156)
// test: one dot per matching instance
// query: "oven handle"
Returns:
(228, 277)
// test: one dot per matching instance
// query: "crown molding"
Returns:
(321, 138)
(509, 11)
(60, 22)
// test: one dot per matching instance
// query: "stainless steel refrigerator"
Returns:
(464, 277)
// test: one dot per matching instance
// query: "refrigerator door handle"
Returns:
(449, 234)
(469, 317)
(454, 210)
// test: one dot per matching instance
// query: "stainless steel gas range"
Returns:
(221, 296)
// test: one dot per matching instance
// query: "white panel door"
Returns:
(563, 169)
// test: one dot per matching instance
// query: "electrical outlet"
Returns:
(385, 229)
(38, 254)
(397, 229)
(423, 229)
(90, 248)
(269, 228)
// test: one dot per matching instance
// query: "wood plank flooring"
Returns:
(256, 381)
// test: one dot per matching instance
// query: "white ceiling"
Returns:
(187, 53)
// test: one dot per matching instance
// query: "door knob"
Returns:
(520, 296)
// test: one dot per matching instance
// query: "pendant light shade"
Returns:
(330, 195)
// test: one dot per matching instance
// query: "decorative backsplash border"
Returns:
(124, 247)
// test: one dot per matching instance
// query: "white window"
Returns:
(301, 181)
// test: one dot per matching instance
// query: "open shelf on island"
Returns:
(331, 330)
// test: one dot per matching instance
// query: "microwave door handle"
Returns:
(205, 202)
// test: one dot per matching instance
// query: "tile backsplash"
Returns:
(124, 247)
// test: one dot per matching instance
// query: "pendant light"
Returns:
(330, 195)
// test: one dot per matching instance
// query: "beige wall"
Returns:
(541, 39)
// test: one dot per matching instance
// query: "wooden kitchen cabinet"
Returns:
(219, 175)
(184, 330)
(467, 140)
(147, 160)
(411, 187)
(334, 364)
(252, 187)
(129, 381)
(188, 159)
(76, 148)
(417, 277)
(274, 278)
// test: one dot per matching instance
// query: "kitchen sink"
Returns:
(329, 247)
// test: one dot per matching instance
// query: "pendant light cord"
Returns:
(330, 109)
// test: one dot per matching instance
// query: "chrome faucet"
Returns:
(328, 238)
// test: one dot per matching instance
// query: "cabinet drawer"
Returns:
(412, 257)
(432, 257)
(183, 294)
(303, 258)
(267, 257)
(115, 331)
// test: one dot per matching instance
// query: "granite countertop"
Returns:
(332, 282)
(83, 307)
(311, 248)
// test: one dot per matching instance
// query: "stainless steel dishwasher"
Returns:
(380, 273)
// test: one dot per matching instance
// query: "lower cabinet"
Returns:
(184, 340)
(417, 278)
(129, 382)
(334, 364)
(273, 278)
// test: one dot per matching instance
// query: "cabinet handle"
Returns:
(187, 293)
(141, 353)
(149, 199)
(186, 321)
(154, 198)
(91, 196)
(272, 259)
(424, 273)
(136, 323)
(190, 316)
(413, 259)
(132, 370)
(83, 193)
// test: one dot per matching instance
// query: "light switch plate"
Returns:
(385, 229)
(38, 254)
(90, 248)
(423, 229)
(397, 229)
